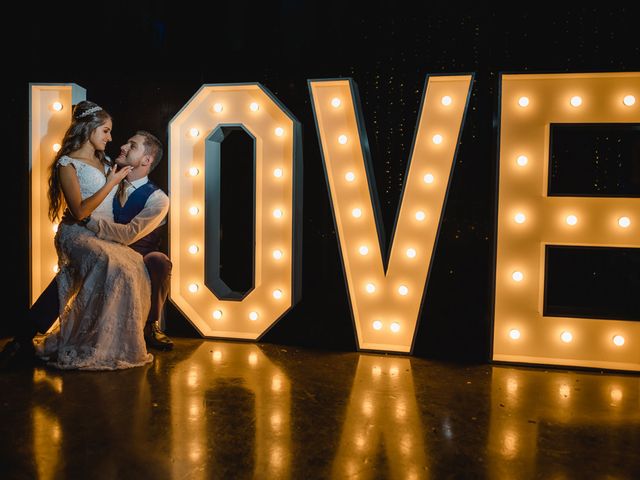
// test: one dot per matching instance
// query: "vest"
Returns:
(132, 207)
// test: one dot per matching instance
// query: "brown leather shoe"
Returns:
(155, 338)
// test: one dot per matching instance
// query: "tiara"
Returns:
(90, 111)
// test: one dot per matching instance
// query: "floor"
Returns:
(213, 409)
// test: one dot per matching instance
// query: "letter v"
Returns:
(386, 302)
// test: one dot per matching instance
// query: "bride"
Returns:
(103, 287)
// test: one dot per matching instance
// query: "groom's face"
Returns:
(132, 152)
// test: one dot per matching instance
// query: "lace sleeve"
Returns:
(64, 161)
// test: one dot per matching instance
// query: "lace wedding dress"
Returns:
(104, 292)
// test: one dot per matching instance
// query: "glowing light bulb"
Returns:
(566, 336)
(349, 176)
(278, 172)
(55, 227)
(420, 215)
(217, 107)
(428, 178)
(520, 218)
(446, 100)
(253, 316)
(56, 269)
(57, 106)
(342, 139)
(571, 220)
(523, 101)
(522, 160)
(193, 249)
(514, 334)
(370, 287)
(411, 252)
(576, 101)
(277, 294)
(56, 147)
(193, 171)
(624, 222)
(253, 358)
(616, 394)
(217, 355)
(403, 290)
(217, 314)
(278, 213)
(356, 212)
(194, 132)
(618, 340)
(277, 254)
(254, 107)
(395, 328)
(377, 325)
(629, 100)
(194, 210)
(279, 131)
(363, 250)
(193, 287)
(437, 139)
(517, 276)
(336, 102)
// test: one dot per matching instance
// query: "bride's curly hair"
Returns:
(86, 117)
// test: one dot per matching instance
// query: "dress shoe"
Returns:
(155, 338)
(17, 353)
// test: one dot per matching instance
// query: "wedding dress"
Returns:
(104, 291)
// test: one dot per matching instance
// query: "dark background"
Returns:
(143, 61)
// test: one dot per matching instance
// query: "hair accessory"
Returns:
(90, 111)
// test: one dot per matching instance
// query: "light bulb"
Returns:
(217, 355)
(437, 139)
(520, 218)
(349, 176)
(428, 178)
(624, 222)
(370, 287)
(277, 294)
(254, 107)
(194, 132)
(278, 172)
(217, 314)
(517, 276)
(514, 334)
(411, 252)
(356, 212)
(55, 227)
(420, 215)
(395, 327)
(217, 107)
(629, 100)
(278, 213)
(576, 101)
(193, 171)
(566, 336)
(253, 358)
(571, 220)
(446, 100)
(523, 101)
(253, 316)
(363, 250)
(56, 147)
(56, 269)
(618, 340)
(377, 325)
(57, 106)
(279, 131)
(335, 102)
(403, 290)
(522, 160)
(277, 254)
(193, 287)
(342, 139)
(193, 249)
(194, 210)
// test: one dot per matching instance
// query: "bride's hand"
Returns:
(118, 173)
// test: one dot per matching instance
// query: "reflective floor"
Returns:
(213, 409)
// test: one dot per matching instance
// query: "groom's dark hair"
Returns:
(153, 147)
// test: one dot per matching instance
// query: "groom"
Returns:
(139, 209)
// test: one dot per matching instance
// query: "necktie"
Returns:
(122, 192)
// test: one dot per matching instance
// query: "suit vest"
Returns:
(132, 207)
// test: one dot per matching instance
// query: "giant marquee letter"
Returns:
(529, 219)
(195, 137)
(386, 304)
(50, 106)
